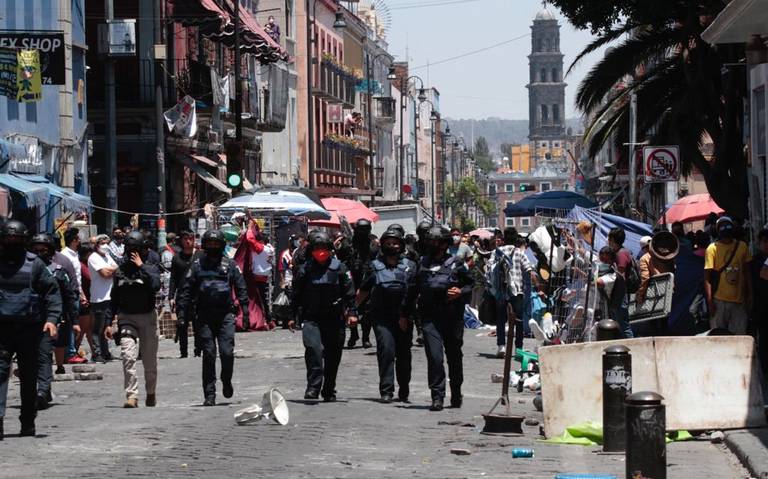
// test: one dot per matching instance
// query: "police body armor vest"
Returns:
(323, 292)
(61, 279)
(436, 280)
(214, 291)
(18, 301)
(136, 296)
(390, 288)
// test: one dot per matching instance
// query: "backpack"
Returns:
(632, 276)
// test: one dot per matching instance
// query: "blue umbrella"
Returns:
(548, 200)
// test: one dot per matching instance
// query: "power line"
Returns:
(433, 3)
(473, 52)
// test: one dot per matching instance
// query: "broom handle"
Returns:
(508, 356)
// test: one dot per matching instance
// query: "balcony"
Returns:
(335, 85)
(384, 110)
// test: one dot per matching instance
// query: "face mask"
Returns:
(456, 239)
(436, 250)
(214, 252)
(726, 233)
(321, 255)
(103, 249)
(391, 250)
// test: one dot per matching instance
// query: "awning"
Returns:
(205, 175)
(205, 13)
(34, 195)
(737, 22)
(352, 210)
(547, 203)
(69, 200)
(204, 160)
(277, 203)
(253, 38)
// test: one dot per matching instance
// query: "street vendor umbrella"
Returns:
(481, 233)
(277, 203)
(352, 210)
(691, 208)
(548, 200)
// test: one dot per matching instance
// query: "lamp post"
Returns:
(432, 119)
(369, 62)
(446, 134)
(422, 96)
(338, 24)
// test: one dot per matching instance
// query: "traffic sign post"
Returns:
(661, 163)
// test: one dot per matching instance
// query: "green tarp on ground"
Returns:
(591, 434)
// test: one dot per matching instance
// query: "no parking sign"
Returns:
(661, 163)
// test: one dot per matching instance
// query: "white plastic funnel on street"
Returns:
(273, 406)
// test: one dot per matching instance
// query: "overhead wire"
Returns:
(473, 52)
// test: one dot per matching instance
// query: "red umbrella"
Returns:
(481, 233)
(691, 208)
(352, 210)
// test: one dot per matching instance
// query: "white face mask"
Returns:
(103, 249)
(456, 239)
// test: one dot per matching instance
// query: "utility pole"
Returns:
(310, 103)
(159, 132)
(632, 158)
(416, 149)
(238, 87)
(371, 154)
(433, 175)
(402, 147)
(110, 136)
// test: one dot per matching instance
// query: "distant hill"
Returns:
(498, 130)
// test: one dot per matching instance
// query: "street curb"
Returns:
(751, 447)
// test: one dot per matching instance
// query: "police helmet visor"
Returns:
(391, 242)
(40, 250)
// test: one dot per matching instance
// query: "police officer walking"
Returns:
(443, 286)
(387, 285)
(324, 294)
(135, 284)
(30, 306)
(364, 250)
(43, 246)
(208, 286)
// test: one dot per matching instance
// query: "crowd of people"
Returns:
(404, 288)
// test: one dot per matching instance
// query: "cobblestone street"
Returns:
(88, 434)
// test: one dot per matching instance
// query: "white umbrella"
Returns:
(277, 203)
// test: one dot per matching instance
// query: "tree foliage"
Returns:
(685, 92)
(459, 196)
(482, 155)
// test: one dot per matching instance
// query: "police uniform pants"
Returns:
(22, 339)
(443, 335)
(141, 328)
(45, 366)
(182, 331)
(323, 345)
(213, 330)
(393, 351)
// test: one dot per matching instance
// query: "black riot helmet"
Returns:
(397, 227)
(438, 233)
(42, 245)
(14, 228)
(135, 239)
(13, 239)
(438, 239)
(387, 248)
(213, 243)
(422, 229)
(362, 223)
(319, 239)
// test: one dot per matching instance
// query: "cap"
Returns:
(724, 220)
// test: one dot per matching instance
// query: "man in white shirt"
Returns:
(71, 246)
(102, 267)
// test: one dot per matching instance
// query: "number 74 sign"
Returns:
(661, 163)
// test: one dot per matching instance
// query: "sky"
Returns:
(485, 84)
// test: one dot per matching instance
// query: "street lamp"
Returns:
(446, 134)
(403, 86)
(338, 24)
(369, 62)
(433, 117)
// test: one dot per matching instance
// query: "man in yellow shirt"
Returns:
(727, 282)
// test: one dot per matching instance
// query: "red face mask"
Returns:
(321, 255)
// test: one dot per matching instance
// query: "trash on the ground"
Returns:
(273, 406)
(84, 368)
(88, 376)
(64, 377)
(522, 401)
(717, 437)
(470, 318)
(590, 433)
(532, 383)
(537, 403)
(455, 423)
(531, 422)
(346, 463)
(522, 452)
(239, 354)
(460, 452)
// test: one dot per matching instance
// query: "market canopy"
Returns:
(352, 210)
(34, 195)
(69, 200)
(277, 203)
(548, 200)
(691, 208)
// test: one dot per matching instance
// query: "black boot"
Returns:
(228, 390)
(27, 429)
(209, 402)
(311, 394)
(437, 405)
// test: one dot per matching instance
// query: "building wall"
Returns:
(507, 190)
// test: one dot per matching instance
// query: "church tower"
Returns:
(546, 92)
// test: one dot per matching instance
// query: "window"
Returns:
(556, 144)
(288, 19)
(543, 144)
(556, 113)
(492, 189)
(544, 114)
(525, 222)
(545, 186)
(543, 75)
(555, 75)
(509, 222)
(539, 45)
(509, 187)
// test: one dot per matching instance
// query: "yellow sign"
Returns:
(28, 76)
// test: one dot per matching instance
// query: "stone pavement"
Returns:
(88, 434)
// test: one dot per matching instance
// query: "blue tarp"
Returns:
(548, 200)
(34, 195)
(605, 222)
(69, 200)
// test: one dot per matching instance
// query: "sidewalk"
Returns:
(751, 447)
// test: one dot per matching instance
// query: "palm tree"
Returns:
(685, 91)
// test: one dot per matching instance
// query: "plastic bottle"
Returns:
(521, 452)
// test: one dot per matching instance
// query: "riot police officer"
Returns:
(421, 232)
(134, 286)
(324, 294)
(386, 285)
(442, 287)
(364, 250)
(30, 306)
(208, 285)
(43, 246)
